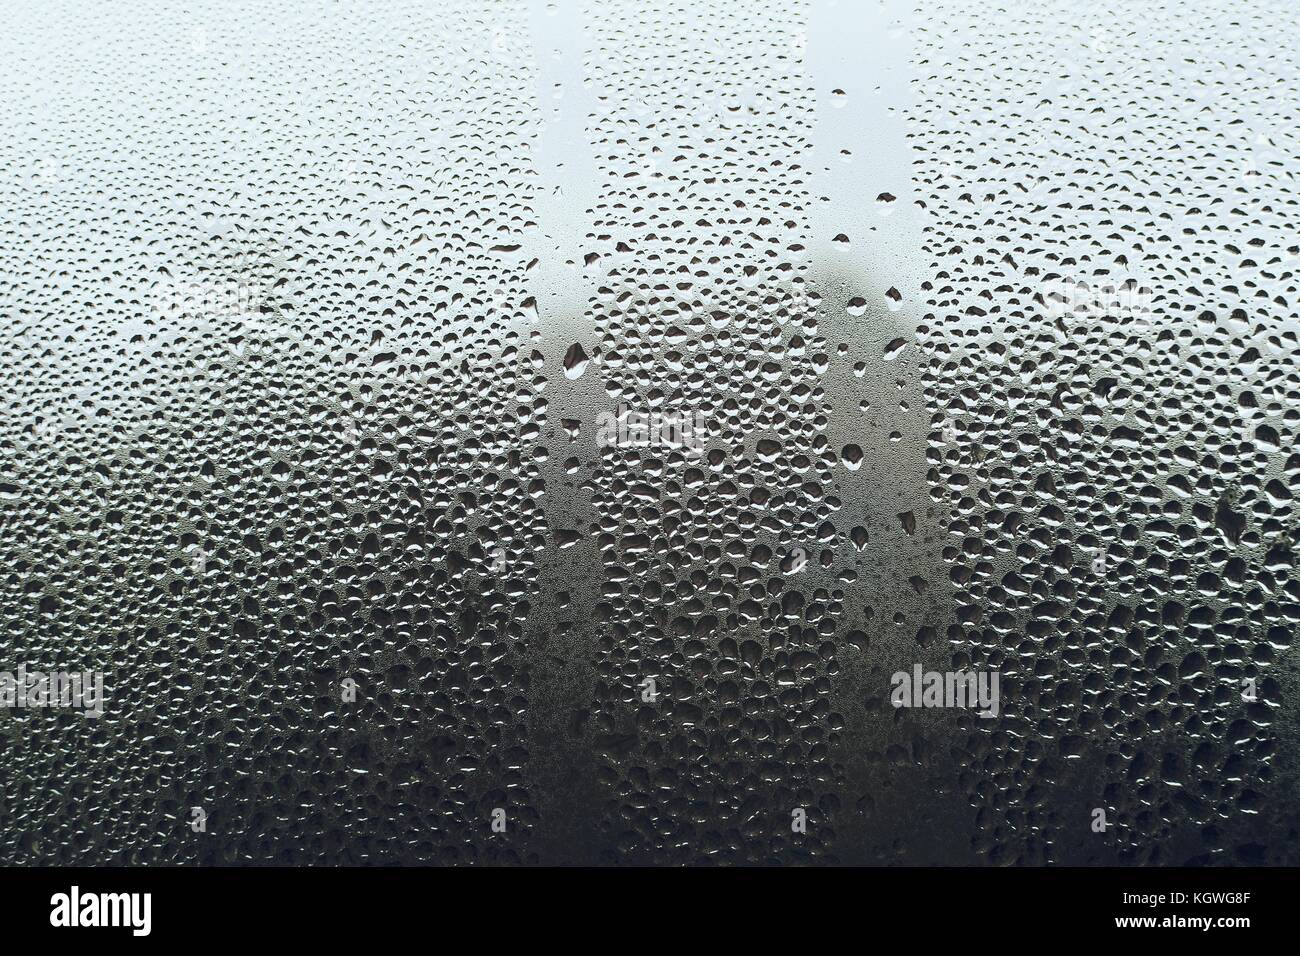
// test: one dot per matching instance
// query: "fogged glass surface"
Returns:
(470, 432)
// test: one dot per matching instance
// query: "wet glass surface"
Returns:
(520, 432)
